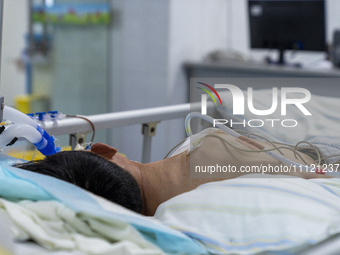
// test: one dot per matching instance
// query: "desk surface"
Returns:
(196, 69)
(256, 70)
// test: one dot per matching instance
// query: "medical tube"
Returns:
(235, 134)
(18, 117)
(209, 119)
(46, 143)
(25, 131)
(31, 134)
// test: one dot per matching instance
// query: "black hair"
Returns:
(93, 173)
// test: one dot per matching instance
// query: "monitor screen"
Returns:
(287, 24)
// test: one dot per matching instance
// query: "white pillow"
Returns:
(250, 215)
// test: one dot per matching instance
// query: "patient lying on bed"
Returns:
(143, 187)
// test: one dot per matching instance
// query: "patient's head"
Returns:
(93, 173)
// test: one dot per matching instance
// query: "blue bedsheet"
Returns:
(17, 184)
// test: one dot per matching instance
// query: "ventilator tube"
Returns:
(27, 128)
(18, 117)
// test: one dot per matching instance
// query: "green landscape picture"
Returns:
(78, 15)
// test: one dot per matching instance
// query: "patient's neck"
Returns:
(158, 180)
(164, 179)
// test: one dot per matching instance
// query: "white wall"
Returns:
(138, 72)
(15, 18)
(195, 29)
(150, 41)
(238, 25)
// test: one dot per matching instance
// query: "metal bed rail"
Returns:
(149, 118)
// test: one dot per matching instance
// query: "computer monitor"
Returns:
(287, 25)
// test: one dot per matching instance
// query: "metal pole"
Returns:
(1, 22)
(44, 43)
(30, 29)
(2, 105)
(120, 119)
(146, 151)
(149, 118)
(30, 50)
(148, 131)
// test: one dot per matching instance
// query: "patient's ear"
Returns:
(103, 150)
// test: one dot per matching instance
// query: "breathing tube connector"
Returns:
(18, 117)
(236, 134)
(27, 128)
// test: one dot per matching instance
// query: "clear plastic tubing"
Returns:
(31, 131)
(25, 131)
(18, 117)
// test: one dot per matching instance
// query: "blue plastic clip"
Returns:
(40, 115)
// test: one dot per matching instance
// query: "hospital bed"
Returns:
(12, 187)
(93, 225)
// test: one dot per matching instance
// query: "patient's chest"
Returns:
(222, 156)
